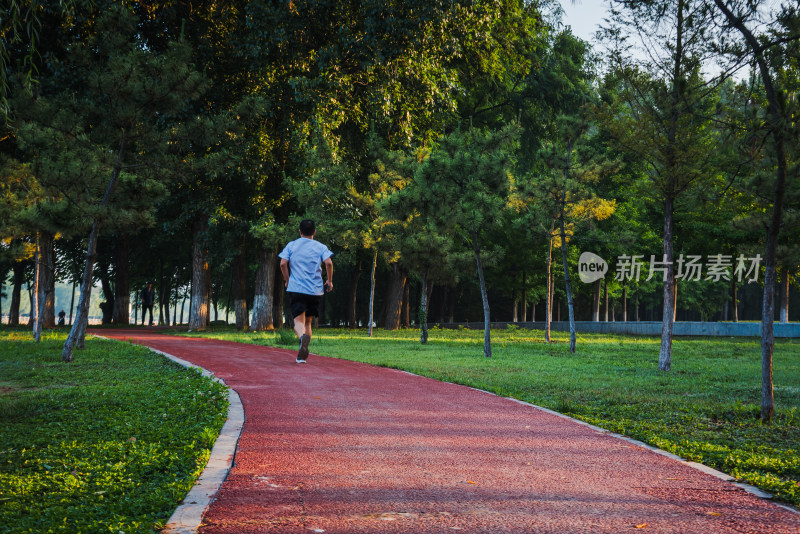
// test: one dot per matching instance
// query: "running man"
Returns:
(301, 266)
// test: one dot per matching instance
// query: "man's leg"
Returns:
(300, 325)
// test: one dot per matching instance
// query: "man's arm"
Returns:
(285, 271)
(329, 270)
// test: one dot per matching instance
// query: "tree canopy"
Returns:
(446, 148)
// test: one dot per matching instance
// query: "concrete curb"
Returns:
(188, 516)
(694, 465)
(186, 519)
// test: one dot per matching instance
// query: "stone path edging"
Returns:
(187, 517)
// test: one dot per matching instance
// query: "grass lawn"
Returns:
(109, 443)
(706, 409)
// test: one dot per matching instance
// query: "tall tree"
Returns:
(770, 51)
(425, 246)
(106, 111)
(669, 103)
(468, 175)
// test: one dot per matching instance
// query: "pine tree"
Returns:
(467, 181)
(109, 103)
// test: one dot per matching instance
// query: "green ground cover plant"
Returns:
(705, 410)
(109, 443)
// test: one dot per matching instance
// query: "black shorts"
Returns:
(303, 303)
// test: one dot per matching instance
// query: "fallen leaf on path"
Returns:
(713, 513)
(643, 525)
(471, 482)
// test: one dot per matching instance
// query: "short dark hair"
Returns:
(307, 227)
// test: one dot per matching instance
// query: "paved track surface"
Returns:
(341, 447)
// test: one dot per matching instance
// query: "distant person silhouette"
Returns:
(148, 299)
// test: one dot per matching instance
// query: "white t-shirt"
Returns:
(305, 265)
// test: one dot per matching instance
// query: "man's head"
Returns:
(307, 228)
(149, 285)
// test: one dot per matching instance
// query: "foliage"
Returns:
(111, 442)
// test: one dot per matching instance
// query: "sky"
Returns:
(584, 16)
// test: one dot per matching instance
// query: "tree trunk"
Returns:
(785, 296)
(734, 299)
(487, 337)
(776, 101)
(77, 333)
(515, 311)
(163, 296)
(136, 299)
(44, 284)
(352, 309)
(48, 308)
(548, 310)
(280, 314)
(596, 301)
(37, 298)
(567, 286)
(16, 293)
(122, 283)
(372, 293)
(524, 297)
(240, 289)
(668, 314)
(674, 299)
(106, 307)
(624, 300)
(262, 301)
(405, 319)
(198, 313)
(30, 299)
(277, 298)
(175, 303)
(166, 300)
(191, 285)
(72, 302)
(668, 317)
(605, 298)
(394, 298)
(161, 293)
(423, 310)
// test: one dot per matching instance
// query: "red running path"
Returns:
(341, 447)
